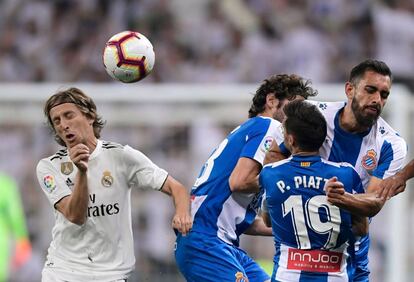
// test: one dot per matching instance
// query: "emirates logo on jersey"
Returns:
(369, 161)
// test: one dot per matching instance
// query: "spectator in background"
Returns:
(12, 228)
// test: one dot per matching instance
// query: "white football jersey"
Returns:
(102, 248)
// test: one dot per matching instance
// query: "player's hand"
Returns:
(182, 223)
(392, 186)
(79, 154)
(335, 190)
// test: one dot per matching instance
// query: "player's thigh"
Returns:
(253, 270)
(208, 259)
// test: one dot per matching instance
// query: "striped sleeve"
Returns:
(392, 156)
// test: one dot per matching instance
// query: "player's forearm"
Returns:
(77, 207)
(181, 199)
(367, 205)
(258, 228)
(408, 171)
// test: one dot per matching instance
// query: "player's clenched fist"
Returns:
(79, 154)
(334, 190)
(182, 223)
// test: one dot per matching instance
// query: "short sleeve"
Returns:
(51, 182)
(142, 172)
(391, 159)
(260, 140)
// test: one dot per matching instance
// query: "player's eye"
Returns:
(56, 122)
(370, 90)
(384, 94)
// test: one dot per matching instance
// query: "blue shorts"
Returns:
(203, 258)
(360, 259)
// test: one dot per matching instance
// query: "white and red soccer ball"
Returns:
(128, 56)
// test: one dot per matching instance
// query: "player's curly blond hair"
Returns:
(283, 86)
(84, 103)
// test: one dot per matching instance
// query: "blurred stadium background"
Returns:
(210, 57)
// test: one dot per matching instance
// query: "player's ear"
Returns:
(271, 101)
(290, 140)
(349, 90)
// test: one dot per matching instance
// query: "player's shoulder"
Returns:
(58, 156)
(110, 145)
(338, 165)
(55, 160)
(261, 121)
(328, 107)
(262, 124)
(390, 135)
(277, 164)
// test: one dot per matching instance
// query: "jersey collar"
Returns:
(97, 150)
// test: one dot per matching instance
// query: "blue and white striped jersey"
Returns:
(379, 152)
(311, 235)
(215, 209)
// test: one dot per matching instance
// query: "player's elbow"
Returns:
(235, 186)
(375, 207)
(374, 210)
(244, 186)
(76, 219)
(266, 219)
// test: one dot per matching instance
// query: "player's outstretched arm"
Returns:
(182, 220)
(368, 204)
(244, 177)
(258, 227)
(394, 185)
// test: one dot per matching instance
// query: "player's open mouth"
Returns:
(70, 137)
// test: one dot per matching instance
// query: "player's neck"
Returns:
(304, 153)
(92, 143)
(349, 123)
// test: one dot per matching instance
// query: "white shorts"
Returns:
(49, 276)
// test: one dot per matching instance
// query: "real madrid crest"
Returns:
(107, 179)
(66, 168)
(369, 161)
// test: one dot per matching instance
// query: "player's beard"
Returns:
(366, 120)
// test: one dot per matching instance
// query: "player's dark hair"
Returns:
(84, 103)
(369, 65)
(306, 123)
(283, 86)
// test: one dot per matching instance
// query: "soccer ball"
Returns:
(128, 56)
